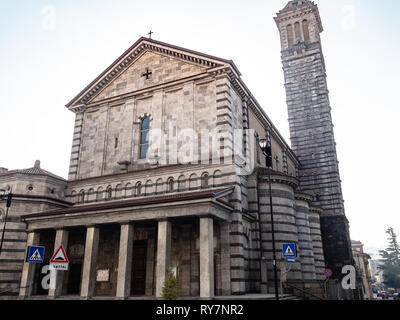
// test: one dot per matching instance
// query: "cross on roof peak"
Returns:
(150, 33)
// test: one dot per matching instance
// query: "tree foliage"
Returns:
(170, 290)
(391, 261)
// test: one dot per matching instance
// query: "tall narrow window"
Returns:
(82, 197)
(204, 181)
(289, 30)
(170, 185)
(257, 138)
(116, 143)
(306, 31)
(297, 32)
(109, 193)
(144, 137)
(138, 189)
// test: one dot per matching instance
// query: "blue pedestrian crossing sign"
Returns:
(289, 250)
(35, 254)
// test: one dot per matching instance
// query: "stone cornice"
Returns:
(303, 197)
(317, 210)
(278, 177)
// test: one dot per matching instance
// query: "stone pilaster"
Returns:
(89, 263)
(76, 145)
(224, 114)
(225, 258)
(238, 281)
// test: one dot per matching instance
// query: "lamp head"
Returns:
(263, 144)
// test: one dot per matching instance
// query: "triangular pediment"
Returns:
(162, 62)
(149, 70)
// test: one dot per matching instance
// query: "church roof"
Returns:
(34, 171)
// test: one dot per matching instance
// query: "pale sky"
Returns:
(50, 50)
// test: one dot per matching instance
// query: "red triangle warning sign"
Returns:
(59, 256)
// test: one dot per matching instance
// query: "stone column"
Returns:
(163, 254)
(28, 270)
(89, 263)
(125, 261)
(206, 258)
(57, 276)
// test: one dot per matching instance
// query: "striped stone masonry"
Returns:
(315, 231)
(305, 247)
(284, 222)
(238, 280)
(224, 114)
(76, 145)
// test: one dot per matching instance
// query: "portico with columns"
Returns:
(139, 243)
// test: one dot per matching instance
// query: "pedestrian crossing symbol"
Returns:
(289, 250)
(35, 254)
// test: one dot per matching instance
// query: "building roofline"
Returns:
(215, 193)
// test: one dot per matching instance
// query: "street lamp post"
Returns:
(265, 146)
(8, 205)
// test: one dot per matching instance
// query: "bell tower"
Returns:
(311, 127)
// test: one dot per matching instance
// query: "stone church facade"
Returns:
(130, 210)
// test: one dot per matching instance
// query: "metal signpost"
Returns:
(289, 253)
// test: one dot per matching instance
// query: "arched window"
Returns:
(144, 137)
(306, 31)
(289, 30)
(91, 195)
(193, 182)
(128, 190)
(170, 185)
(217, 177)
(99, 195)
(109, 193)
(181, 183)
(204, 181)
(118, 191)
(148, 188)
(297, 32)
(159, 186)
(81, 198)
(138, 188)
